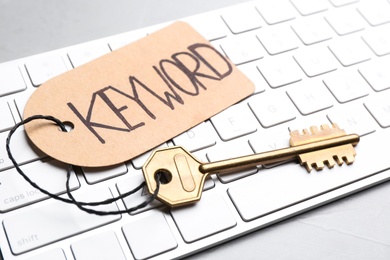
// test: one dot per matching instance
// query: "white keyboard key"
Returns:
(20, 102)
(149, 236)
(353, 119)
(234, 122)
(103, 246)
(198, 137)
(210, 26)
(55, 254)
(44, 225)
(339, 3)
(312, 30)
(242, 49)
(272, 109)
(276, 11)
(379, 107)
(347, 86)
(251, 71)
(310, 97)
(84, 54)
(377, 74)
(139, 161)
(270, 140)
(278, 39)
(316, 60)
(44, 68)
(125, 39)
(378, 40)
(280, 71)
(301, 123)
(98, 174)
(231, 150)
(350, 51)
(209, 216)
(6, 119)
(242, 19)
(22, 149)
(375, 12)
(11, 80)
(345, 21)
(306, 7)
(16, 192)
(277, 182)
(140, 196)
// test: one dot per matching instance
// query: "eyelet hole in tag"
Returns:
(134, 98)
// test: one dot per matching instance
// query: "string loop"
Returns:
(85, 206)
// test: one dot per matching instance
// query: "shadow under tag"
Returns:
(135, 98)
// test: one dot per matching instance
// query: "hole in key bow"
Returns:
(165, 176)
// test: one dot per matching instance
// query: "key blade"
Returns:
(318, 158)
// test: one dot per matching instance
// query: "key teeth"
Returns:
(307, 166)
(349, 159)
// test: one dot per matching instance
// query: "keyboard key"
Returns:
(346, 87)
(310, 97)
(316, 61)
(140, 160)
(210, 26)
(234, 122)
(377, 74)
(345, 21)
(350, 51)
(231, 150)
(40, 226)
(16, 192)
(278, 39)
(276, 183)
(11, 80)
(242, 49)
(339, 3)
(140, 196)
(98, 174)
(306, 7)
(280, 71)
(242, 19)
(55, 254)
(270, 140)
(272, 109)
(20, 103)
(99, 247)
(125, 39)
(312, 30)
(82, 55)
(44, 68)
(250, 70)
(378, 40)
(353, 119)
(276, 11)
(22, 149)
(375, 12)
(198, 137)
(379, 107)
(152, 230)
(6, 119)
(209, 216)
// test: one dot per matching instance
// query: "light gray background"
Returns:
(357, 227)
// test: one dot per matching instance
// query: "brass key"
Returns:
(184, 175)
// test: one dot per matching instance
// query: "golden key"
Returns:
(184, 175)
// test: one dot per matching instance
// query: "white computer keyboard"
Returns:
(313, 63)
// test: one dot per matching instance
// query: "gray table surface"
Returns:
(356, 227)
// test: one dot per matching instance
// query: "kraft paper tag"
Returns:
(135, 98)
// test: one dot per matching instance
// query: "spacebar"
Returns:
(44, 225)
(283, 186)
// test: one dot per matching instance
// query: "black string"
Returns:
(81, 205)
